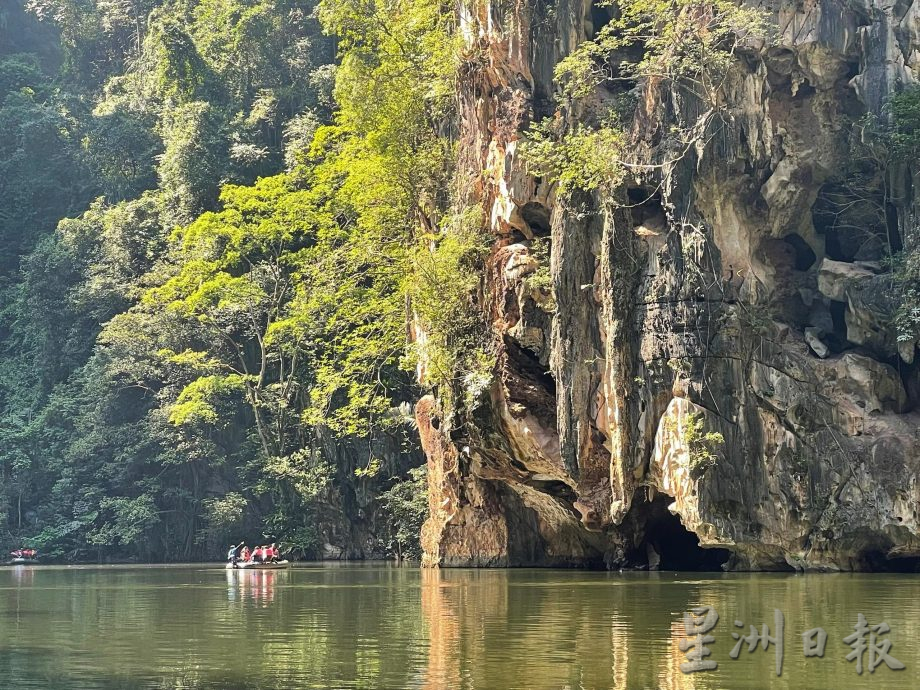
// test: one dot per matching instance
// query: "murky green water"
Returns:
(385, 627)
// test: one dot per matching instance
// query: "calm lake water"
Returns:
(378, 626)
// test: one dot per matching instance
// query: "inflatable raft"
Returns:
(254, 565)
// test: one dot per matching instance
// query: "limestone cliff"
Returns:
(737, 289)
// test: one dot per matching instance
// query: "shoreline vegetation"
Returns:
(210, 219)
(244, 242)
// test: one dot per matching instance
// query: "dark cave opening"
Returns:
(852, 70)
(876, 561)
(805, 90)
(832, 248)
(645, 204)
(804, 255)
(560, 490)
(537, 217)
(527, 363)
(642, 196)
(824, 225)
(852, 217)
(667, 541)
(836, 340)
(891, 223)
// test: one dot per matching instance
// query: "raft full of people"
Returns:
(21, 556)
(265, 557)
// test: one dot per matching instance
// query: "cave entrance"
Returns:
(853, 219)
(537, 217)
(836, 340)
(665, 544)
(802, 254)
(877, 561)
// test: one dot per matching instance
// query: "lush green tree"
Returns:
(42, 178)
(406, 506)
(192, 350)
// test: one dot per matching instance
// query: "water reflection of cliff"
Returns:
(564, 630)
(441, 612)
(394, 627)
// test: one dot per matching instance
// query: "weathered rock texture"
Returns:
(351, 524)
(741, 291)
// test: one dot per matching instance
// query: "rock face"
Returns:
(351, 525)
(713, 366)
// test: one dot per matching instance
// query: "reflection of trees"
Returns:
(404, 628)
(165, 627)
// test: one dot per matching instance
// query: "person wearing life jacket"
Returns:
(273, 553)
(245, 555)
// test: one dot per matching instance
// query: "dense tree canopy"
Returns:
(214, 234)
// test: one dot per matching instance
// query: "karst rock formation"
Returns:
(738, 287)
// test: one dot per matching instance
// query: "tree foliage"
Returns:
(687, 45)
(406, 507)
(894, 140)
(176, 352)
